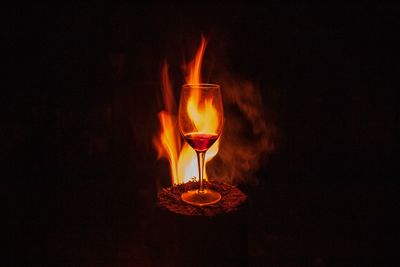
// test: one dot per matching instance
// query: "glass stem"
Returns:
(200, 163)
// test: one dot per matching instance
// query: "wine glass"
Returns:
(201, 119)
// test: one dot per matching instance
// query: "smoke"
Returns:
(248, 137)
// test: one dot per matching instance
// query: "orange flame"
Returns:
(193, 70)
(182, 158)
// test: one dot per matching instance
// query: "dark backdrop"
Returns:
(80, 97)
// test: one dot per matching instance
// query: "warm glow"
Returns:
(182, 158)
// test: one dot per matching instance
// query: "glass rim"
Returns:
(201, 85)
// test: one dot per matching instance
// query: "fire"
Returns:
(198, 115)
(247, 137)
(193, 69)
(182, 158)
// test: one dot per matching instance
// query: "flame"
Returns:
(167, 143)
(204, 118)
(193, 69)
(249, 131)
(182, 157)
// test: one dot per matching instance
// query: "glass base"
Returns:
(205, 198)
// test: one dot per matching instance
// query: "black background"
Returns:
(79, 171)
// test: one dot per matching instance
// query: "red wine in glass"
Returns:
(201, 141)
(201, 118)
